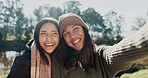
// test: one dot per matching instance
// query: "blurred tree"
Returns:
(96, 24)
(13, 20)
(1, 21)
(41, 12)
(10, 12)
(93, 19)
(114, 21)
(1, 34)
(139, 23)
(4, 20)
(47, 11)
(29, 29)
(20, 23)
(55, 12)
(72, 6)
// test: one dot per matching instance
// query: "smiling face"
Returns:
(49, 37)
(74, 36)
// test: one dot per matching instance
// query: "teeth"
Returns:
(49, 44)
(76, 41)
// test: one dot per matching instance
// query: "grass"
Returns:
(143, 73)
(4, 73)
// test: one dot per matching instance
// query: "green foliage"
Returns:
(55, 12)
(1, 34)
(134, 68)
(15, 24)
(41, 12)
(20, 24)
(109, 40)
(93, 18)
(114, 21)
(139, 74)
(13, 21)
(29, 29)
(96, 24)
(139, 23)
(72, 6)
(47, 11)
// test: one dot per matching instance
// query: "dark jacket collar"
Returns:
(28, 45)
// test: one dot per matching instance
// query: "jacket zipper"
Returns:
(80, 64)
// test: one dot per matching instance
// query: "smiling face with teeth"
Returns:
(49, 37)
(74, 36)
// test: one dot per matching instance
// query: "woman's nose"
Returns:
(72, 34)
(49, 37)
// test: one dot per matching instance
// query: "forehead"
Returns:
(48, 27)
(71, 26)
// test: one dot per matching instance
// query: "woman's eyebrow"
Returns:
(64, 30)
(54, 30)
(43, 31)
(73, 26)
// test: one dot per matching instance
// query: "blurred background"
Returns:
(109, 22)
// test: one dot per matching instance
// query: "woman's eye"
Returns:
(43, 34)
(75, 29)
(66, 34)
(55, 33)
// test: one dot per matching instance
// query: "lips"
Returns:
(77, 44)
(49, 47)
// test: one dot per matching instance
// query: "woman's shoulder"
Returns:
(26, 54)
(24, 57)
(21, 65)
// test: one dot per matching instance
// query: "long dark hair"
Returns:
(86, 57)
(36, 36)
(88, 51)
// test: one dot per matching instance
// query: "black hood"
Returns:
(28, 45)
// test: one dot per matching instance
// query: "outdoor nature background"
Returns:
(107, 25)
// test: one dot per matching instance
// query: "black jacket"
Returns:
(22, 65)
